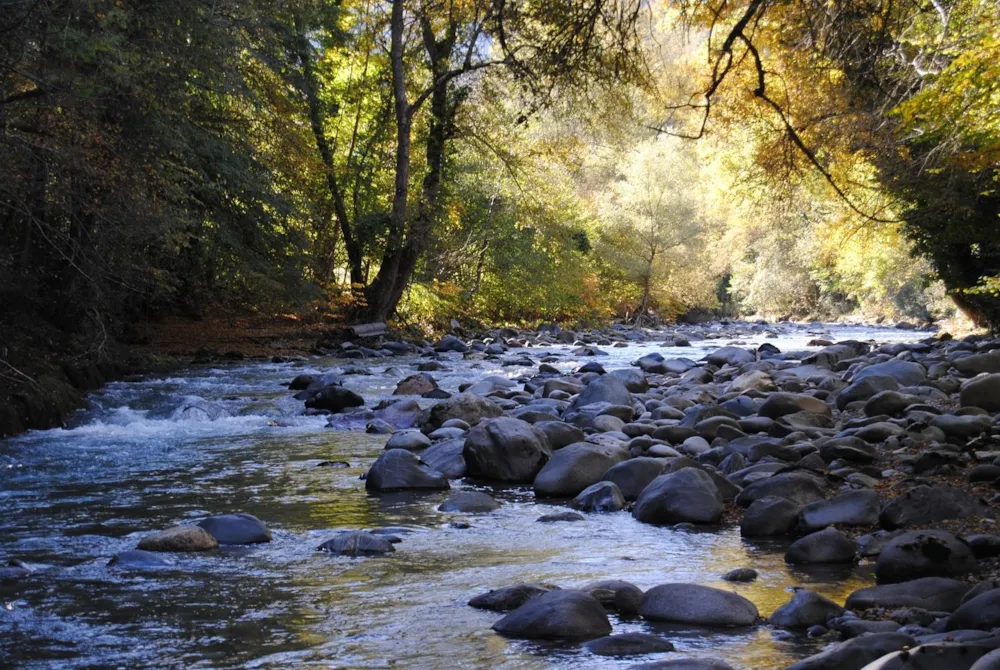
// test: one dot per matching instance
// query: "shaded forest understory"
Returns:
(495, 163)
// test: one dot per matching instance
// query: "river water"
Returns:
(163, 450)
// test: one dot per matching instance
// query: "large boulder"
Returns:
(927, 504)
(697, 605)
(798, 487)
(469, 502)
(179, 539)
(824, 546)
(865, 388)
(924, 553)
(417, 384)
(778, 405)
(944, 655)
(509, 597)
(562, 614)
(854, 508)
(628, 644)
(506, 450)
(451, 343)
(605, 388)
(769, 517)
(357, 543)
(616, 595)
(735, 356)
(398, 469)
(906, 373)
(856, 653)
(236, 529)
(599, 497)
(936, 594)
(975, 364)
(332, 398)
(410, 439)
(399, 412)
(805, 609)
(979, 613)
(634, 475)
(634, 380)
(686, 496)
(983, 392)
(574, 468)
(447, 458)
(468, 407)
(560, 434)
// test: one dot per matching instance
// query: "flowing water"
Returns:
(152, 453)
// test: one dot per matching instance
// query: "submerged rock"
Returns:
(469, 502)
(628, 644)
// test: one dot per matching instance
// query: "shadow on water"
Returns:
(161, 451)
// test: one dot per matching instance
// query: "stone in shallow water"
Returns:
(856, 653)
(616, 595)
(936, 594)
(357, 543)
(469, 502)
(398, 469)
(697, 605)
(740, 575)
(509, 597)
(236, 528)
(560, 516)
(805, 609)
(628, 644)
(179, 539)
(925, 553)
(137, 558)
(561, 614)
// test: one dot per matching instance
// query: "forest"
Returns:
(498, 161)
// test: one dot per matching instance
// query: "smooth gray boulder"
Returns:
(508, 598)
(865, 388)
(975, 364)
(979, 613)
(798, 487)
(468, 407)
(628, 644)
(574, 468)
(562, 614)
(469, 502)
(769, 517)
(778, 405)
(605, 388)
(936, 594)
(824, 546)
(937, 656)
(599, 497)
(236, 528)
(505, 449)
(686, 496)
(927, 504)
(560, 434)
(634, 475)
(924, 553)
(411, 440)
(855, 653)
(616, 595)
(854, 508)
(447, 458)
(697, 605)
(357, 543)
(805, 609)
(905, 372)
(398, 469)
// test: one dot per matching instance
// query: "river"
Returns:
(162, 450)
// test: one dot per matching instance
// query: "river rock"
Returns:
(616, 595)
(507, 450)
(562, 614)
(854, 508)
(684, 664)
(333, 398)
(734, 356)
(855, 653)
(398, 469)
(628, 644)
(924, 553)
(179, 539)
(469, 502)
(465, 406)
(769, 517)
(560, 434)
(936, 594)
(697, 605)
(399, 412)
(417, 384)
(634, 380)
(410, 440)
(865, 388)
(236, 529)
(605, 388)
(509, 597)
(634, 475)
(927, 504)
(357, 543)
(891, 403)
(962, 428)
(742, 575)
(805, 609)
(979, 613)
(937, 656)
(904, 372)
(990, 661)
(825, 546)
(574, 468)
(599, 497)
(137, 558)
(686, 496)
(798, 487)
(560, 516)
(778, 405)
(447, 458)
(451, 343)
(975, 364)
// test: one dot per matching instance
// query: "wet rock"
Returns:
(856, 653)
(469, 502)
(465, 406)
(451, 343)
(742, 575)
(417, 384)
(447, 458)
(936, 594)
(684, 664)
(979, 613)
(179, 539)
(560, 516)
(398, 413)
(506, 449)
(936, 656)
(599, 497)
(634, 475)
(925, 553)
(357, 543)
(686, 496)
(398, 469)
(697, 605)
(509, 597)
(560, 434)
(572, 469)
(236, 528)
(137, 558)
(616, 595)
(379, 427)
(769, 517)
(798, 487)
(825, 546)
(410, 440)
(628, 644)
(333, 398)
(927, 504)
(805, 609)
(854, 508)
(849, 627)
(562, 614)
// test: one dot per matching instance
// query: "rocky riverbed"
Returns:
(730, 495)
